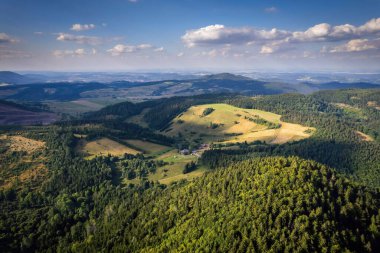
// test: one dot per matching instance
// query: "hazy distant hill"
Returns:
(226, 76)
(140, 91)
(14, 78)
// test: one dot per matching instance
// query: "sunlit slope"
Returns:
(227, 123)
(104, 147)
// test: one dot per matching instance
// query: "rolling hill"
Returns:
(229, 124)
(9, 77)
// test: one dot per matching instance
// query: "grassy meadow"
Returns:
(233, 125)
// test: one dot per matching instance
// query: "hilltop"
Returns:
(230, 124)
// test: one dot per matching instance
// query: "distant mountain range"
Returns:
(102, 77)
(28, 88)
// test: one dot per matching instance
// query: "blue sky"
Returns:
(263, 35)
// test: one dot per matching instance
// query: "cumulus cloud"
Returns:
(79, 39)
(219, 34)
(325, 32)
(5, 38)
(120, 49)
(372, 26)
(271, 40)
(80, 27)
(357, 45)
(63, 53)
(315, 33)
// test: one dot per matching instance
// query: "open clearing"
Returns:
(234, 125)
(364, 136)
(148, 147)
(20, 143)
(27, 168)
(174, 170)
(105, 146)
(351, 110)
(374, 104)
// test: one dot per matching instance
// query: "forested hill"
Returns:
(262, 205)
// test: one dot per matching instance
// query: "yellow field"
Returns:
(20, 143)
(374, 104)
(234, 126)
(148, 147)
(105, 146)
(33, 165)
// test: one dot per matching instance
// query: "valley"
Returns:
(139, 163)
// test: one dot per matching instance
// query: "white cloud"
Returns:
(315, 33)
(219, 34)
(324, 32)
(80, 27)
(159, 49)
(79, 39)
(63, 53)
(180, 54)
(266, 50)
(271, 9)
(357, 45)
(144, 46)
(372, 26)
(343, 31)
(120, 49)
(5, 38)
